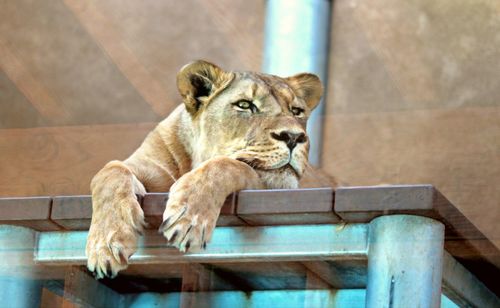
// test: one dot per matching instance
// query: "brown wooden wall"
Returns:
(413, 96)
(83, 82)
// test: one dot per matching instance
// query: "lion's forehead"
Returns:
(259, 84)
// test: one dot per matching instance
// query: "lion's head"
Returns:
(256, 118)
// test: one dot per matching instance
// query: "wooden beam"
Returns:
(195, 278)
(62, 160)
(84, 291)
(286, 207)
(33, 212)
(230, 25)
(402, 55)
(109, 37)
(36, 93)
(75, 212)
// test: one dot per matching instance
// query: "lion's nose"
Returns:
(291, 139)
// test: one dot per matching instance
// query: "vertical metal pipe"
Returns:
(18, 286)
(405, 262)
(297, 36)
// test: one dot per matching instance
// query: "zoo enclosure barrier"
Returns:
(382, 246)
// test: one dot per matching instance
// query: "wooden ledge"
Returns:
(251, 207)
(31, 212)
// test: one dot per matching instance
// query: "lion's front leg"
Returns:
(196, 198)
(117, 219)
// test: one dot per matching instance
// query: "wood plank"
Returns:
(31, 212)
(315, 282)
(17, 110)
(31, 88)
(62, 160)
(250, 276)
(341, 274)
(109, 37)
(53, 300)
(292, 206)
(239, 33)
(75, 212)
(195, 278)
(83, 290)
(72, 212)
(154, 206)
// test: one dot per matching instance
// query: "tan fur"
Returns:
(206, 149)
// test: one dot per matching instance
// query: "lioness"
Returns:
(235, 130)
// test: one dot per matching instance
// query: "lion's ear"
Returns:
(308, 87)
(198, 80)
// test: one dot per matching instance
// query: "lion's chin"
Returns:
(282, 178)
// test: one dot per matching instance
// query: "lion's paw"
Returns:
(108, 249)
(189, 218)
(107, 255)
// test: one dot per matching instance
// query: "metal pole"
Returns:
(18, 286)
(405, 262)
(297, 34)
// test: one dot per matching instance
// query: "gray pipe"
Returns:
(405, 262)
(297, 36)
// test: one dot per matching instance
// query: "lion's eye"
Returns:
(246, 105)
(297, 111)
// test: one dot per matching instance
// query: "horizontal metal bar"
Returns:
(228, 244)
(286, 298)
(352, 298)
(463, 288)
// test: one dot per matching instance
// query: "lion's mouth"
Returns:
(289, 167)
(258, 164)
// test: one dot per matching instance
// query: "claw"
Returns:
(109, 271)
(204, 245)
(139, 198)
(172, 239)
(187, 231)
(91, 268)
(123, 260)
(188, 244)
(168, 223)
(163, 225)
(99, 273)
(184, 247)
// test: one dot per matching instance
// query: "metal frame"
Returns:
(405, 262)
(228, 244)
(412, 244)
(404, 254)
(352, 298)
